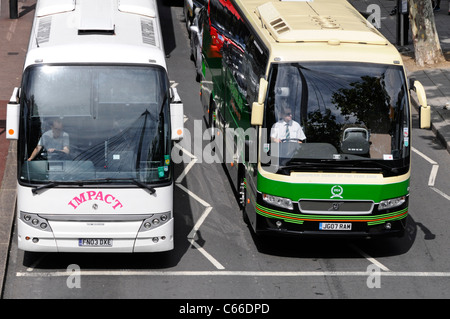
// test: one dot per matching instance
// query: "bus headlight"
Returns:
(278, 201)
(156, 220)
(391, 203)
(36, 221)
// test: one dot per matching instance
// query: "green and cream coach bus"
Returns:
(314, 109)
(95, 119)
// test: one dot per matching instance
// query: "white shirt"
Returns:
(278, 130)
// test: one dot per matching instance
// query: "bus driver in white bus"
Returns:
(54, 141)
(287, 129)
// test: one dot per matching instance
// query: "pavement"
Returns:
(14, 35)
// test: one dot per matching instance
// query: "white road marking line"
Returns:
(192, 234)
(433, 175)
(185, 171)
(193, 195)
(208, 256)
(429, 160)
(235, 273)
(185, 151)
(441, 193)
(199, 223)
(372, 260)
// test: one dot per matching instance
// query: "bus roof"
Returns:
(313, 26)
(96, 31)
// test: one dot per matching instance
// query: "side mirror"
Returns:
(194, 29)
(257, 113)
(424, 108)
(258, 107)
(176, 116)
(262, 90)
(13, 116)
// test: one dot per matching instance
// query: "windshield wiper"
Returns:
(374, 164)
(52, 184)
(324, 165)
(142, 185)
(152, 190)
(294, 164)
(36, 189)
(336, 165)
(125, 179)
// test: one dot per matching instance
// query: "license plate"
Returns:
(95, 242)
(335, 226)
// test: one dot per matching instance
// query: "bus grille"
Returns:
(335, 207)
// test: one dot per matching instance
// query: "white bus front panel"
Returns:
(118, 220)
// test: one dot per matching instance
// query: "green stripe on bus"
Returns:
(297, 191)
(300, 218)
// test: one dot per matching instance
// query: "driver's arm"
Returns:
(274, 134)
(36, 151)
(276, 140)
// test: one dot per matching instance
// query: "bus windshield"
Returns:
(85, 122)
(337, 117)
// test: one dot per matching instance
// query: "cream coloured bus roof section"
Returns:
(330, 22)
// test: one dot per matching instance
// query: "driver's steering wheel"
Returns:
(58, 155)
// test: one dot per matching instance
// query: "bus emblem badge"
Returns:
(336, 191)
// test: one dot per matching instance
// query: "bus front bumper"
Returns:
(120, 237)
(324, 228)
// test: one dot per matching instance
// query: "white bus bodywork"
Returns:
(105, 197)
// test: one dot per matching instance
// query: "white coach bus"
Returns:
(95, 119)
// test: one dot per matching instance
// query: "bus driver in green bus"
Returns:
(287, 129)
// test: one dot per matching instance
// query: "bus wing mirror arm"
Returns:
(258, 107)
(176, 116)
(13, 116)
(424, 108)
